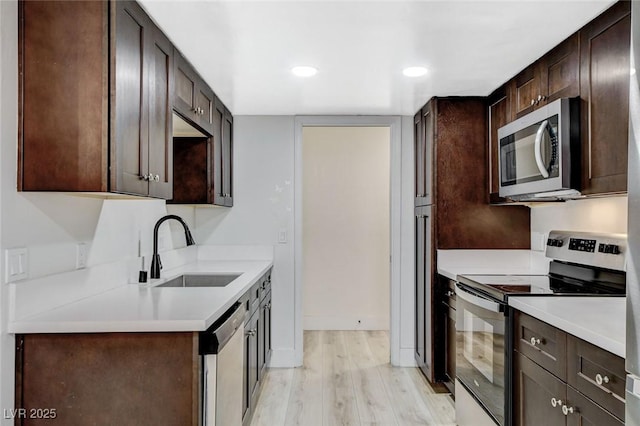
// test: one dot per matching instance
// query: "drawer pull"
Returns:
(556, 403)
(601, 379)
(450, 293)
(567, 410)
(534, 341)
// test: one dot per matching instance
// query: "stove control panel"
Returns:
(579, 244)
(588, 248)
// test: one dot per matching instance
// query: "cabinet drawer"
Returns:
(598, 374)
(586, 412)
(542, 343)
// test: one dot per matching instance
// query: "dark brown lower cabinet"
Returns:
(251, 367)
(590, 390)
(446, 333)
(534, 390)
(108, 378)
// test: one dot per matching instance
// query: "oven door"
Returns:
(480, 347)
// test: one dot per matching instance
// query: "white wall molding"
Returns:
(354, 322)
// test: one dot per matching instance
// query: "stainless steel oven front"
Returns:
(482, 336)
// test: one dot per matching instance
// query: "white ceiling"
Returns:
(245, 49)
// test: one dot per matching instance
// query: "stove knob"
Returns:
(615, 249)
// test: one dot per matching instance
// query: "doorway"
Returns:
(347, 226)
(345, 221)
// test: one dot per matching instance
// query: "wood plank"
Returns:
(373, 403)
(272, 406)
(305, 398)
(339, 402)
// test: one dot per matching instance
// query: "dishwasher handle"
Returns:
(466, 294)
(215, 337)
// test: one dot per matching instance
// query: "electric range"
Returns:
(582, 264)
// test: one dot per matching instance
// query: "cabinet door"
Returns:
(428, 118)
(204, 105)
(160, 59)
(63, 109)
(130, 100)
(264, 342)
(535, 391)
(227, 158)
(217, 166)
(604, 88)
(585, 412)
(499, 115)
(185, 87)
(525, 89)
(267, 332)
(423, 310)
(560, 71)
(251, 330)
(419, 158)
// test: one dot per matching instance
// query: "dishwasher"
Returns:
(222, 350)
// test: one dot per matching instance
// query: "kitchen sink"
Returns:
(208, 280)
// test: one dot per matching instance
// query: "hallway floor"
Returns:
(347, 380)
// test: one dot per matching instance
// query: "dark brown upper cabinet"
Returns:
(499, 114)
(555, 75)
(222, 156)
(141, 104)
(63, 128)
(78, 61)
(194, 100)
(604, 90)
(423, 151)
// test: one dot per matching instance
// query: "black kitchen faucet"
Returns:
(156, 264)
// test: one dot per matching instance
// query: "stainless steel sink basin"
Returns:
(210, 280)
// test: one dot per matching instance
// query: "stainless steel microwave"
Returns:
(539, 153)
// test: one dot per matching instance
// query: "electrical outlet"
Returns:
(282, 236)
(15, 264)
(81, 256)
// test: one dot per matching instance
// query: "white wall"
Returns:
(263, 206)
(597, 215)
(346, 219)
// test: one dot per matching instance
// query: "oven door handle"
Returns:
(477, 300)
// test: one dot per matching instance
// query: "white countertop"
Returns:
(598, 320)
(135, 308)
(452, 263)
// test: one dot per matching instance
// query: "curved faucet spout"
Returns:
(156, 264)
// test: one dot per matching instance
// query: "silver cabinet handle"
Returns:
(147, 178)
(534, 341)
(251, 333)
(156, 178)
(556, 403)
(600, 379)
(533, 102)
(567, 410)
(450, 293)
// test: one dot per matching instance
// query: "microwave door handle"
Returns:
(538, 147)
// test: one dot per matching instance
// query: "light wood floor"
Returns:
(347, 380)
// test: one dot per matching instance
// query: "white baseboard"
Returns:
(283, 358)
(406, 358)
(345, 323)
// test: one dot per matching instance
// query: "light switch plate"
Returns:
(538, 241)
(282, 236)
(15, 264)
(81, 256)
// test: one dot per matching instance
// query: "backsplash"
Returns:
(594, 215)
(51, 226)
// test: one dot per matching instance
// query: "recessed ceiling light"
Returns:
(414, 71)
(304, 71)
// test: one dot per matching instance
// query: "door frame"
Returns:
(394, 123)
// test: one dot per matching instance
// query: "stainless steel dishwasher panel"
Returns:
(223, 363)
